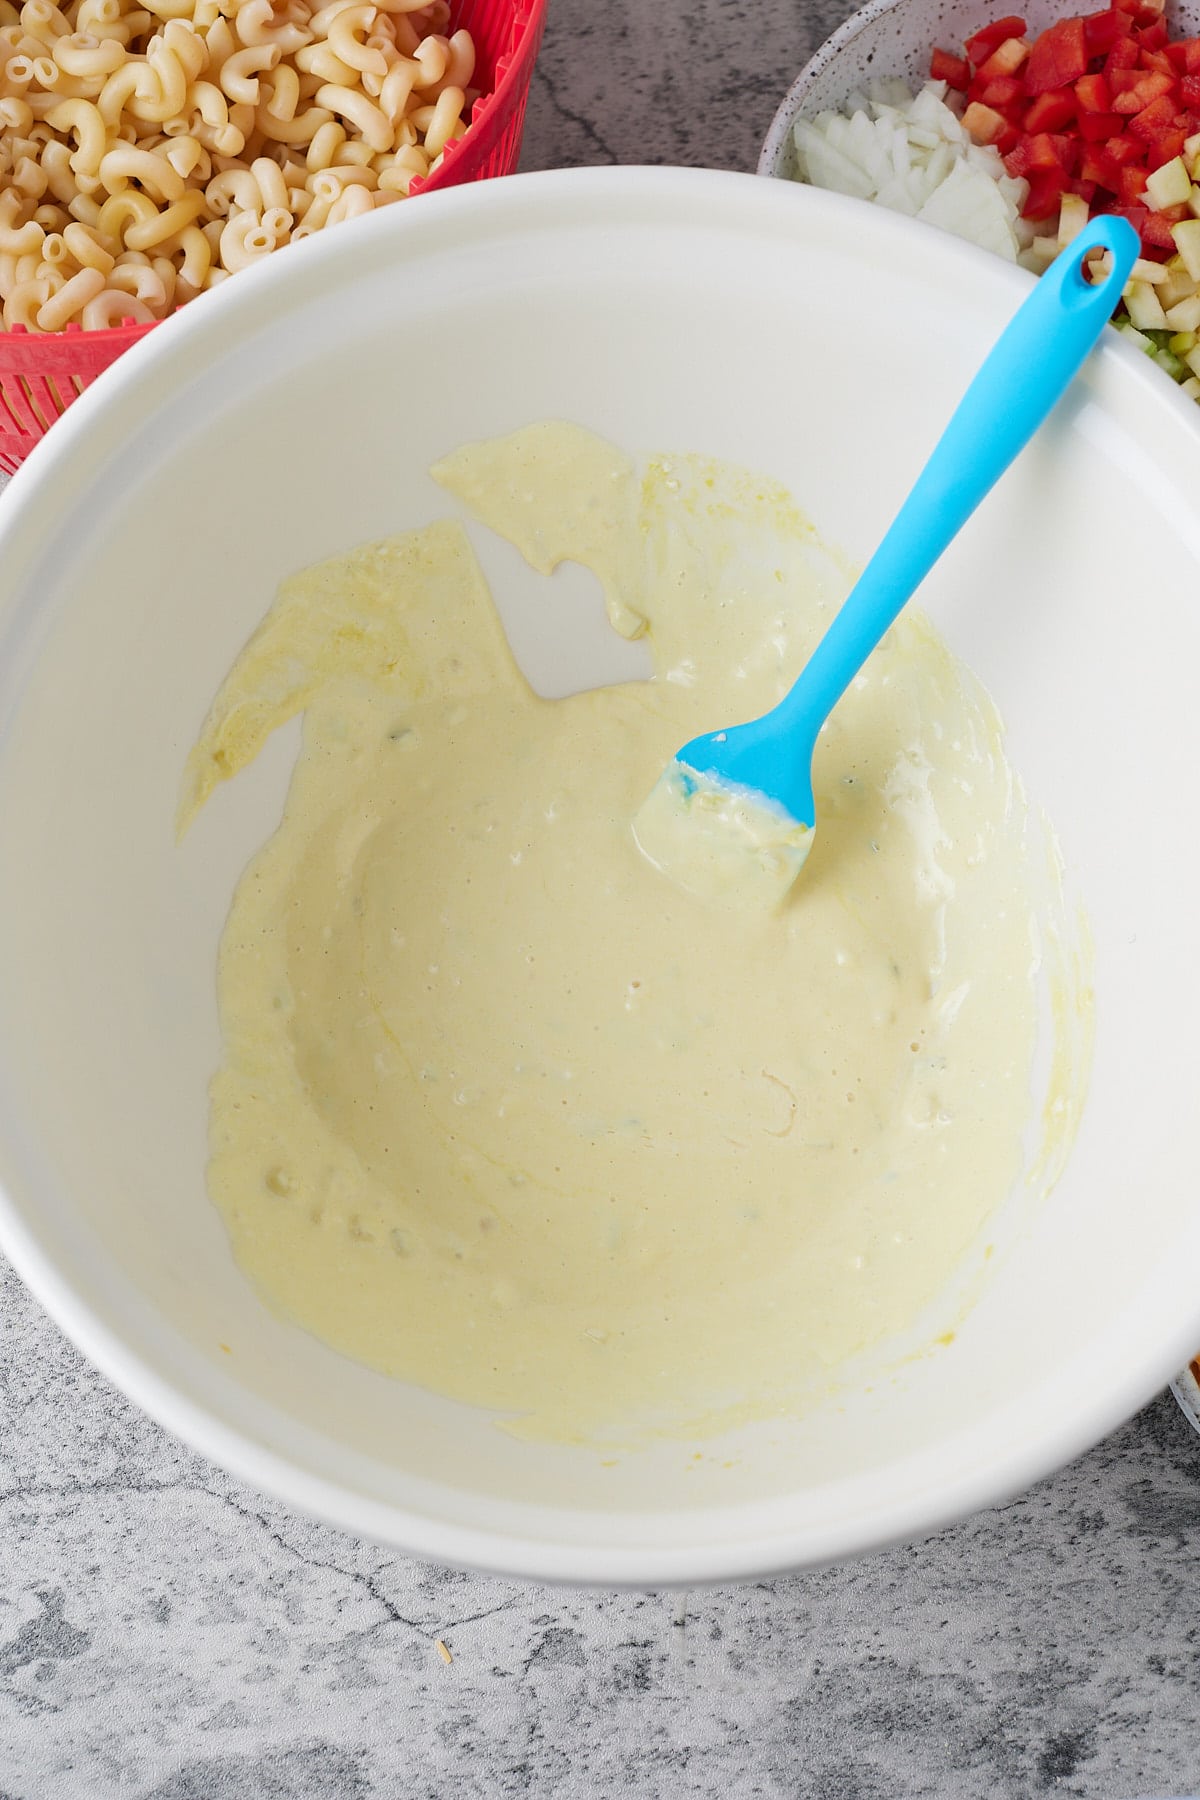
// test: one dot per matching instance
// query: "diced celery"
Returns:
(1185, 315)
(1176, 284)
(1142, 305)
(1041, 252)
(1192, 359)
(1170, 363)
(1135, 337)
(1182, 342)
(1171, 185)
(1187, 242)
(1072, 217)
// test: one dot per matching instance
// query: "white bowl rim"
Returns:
(128, 389)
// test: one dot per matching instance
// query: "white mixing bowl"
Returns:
(294, 413)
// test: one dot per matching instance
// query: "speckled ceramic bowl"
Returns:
(1186, 1389)
(895, 37)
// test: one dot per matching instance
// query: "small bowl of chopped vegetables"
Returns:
(1011, 131)
(1186, 1389)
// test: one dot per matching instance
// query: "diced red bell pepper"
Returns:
(1068, 150)
(1137, 215)
(1184, 56)
(1042, 153)
(1039, 153)
(1050, 112)
(979, 47)
(1102, 30)
(1145, 89)
(1123, 55)
(1165, 147)
(1057, 58)
(1152, 120)
(1094, 128)
(1050, 150)
(1002, 94)
(1131, 185)
(1092, 106)
(1096, 165)
(1124, 150)
(1006, 59)
(1157, 229)
(1046, 189)
(955, 71)
(1093, 94)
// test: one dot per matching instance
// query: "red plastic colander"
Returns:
(41, 373)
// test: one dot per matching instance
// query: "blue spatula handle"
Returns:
(1026, 374)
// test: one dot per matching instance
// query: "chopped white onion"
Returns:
(909, 152)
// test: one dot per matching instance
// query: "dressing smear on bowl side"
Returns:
(503, 1112)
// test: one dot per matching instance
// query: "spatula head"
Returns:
(724, 843)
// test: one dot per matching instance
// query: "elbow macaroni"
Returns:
(149, 151)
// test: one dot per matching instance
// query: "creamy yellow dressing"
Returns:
(503, 1112)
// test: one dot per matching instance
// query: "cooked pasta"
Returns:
(147, 152)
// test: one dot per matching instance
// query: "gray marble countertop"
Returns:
(167, 1634)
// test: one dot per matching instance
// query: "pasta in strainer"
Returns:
(147, 152)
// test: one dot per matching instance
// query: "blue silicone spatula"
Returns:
(732, 817)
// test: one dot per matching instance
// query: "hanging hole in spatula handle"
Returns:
(1094, 268)
(1033, 363)
(1020, 382)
